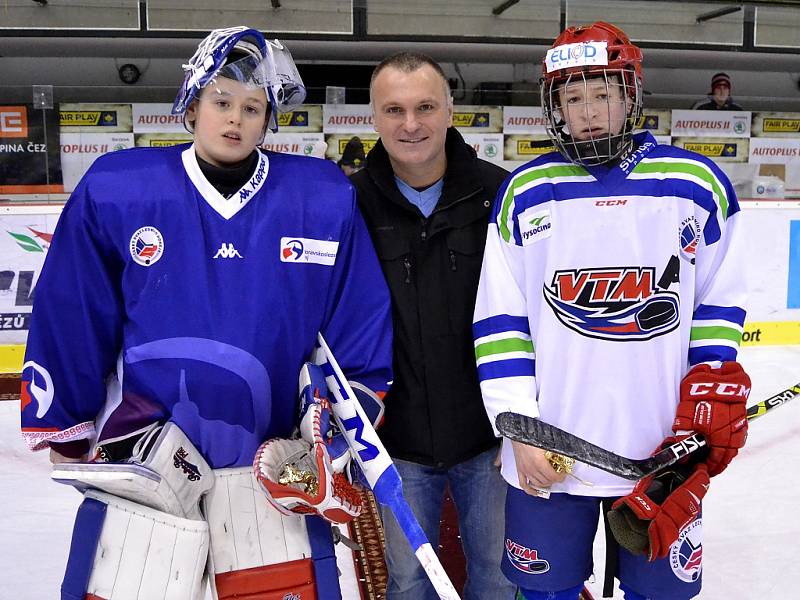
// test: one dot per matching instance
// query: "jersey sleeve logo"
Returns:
(147, 246)
(308, 250)
(689, 238)
(615, 303)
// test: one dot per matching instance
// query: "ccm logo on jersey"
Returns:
(612, 202)
(308, 250)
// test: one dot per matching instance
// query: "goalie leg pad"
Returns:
(257, 552)
(126, 551)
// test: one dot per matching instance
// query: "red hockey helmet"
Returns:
(581, 53)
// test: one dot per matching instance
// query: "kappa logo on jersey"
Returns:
(147, 246)
(534, 225)
(525, 559)
(615, 303)
(308, 250)
(227, 251)
(686, 554)
(38, 387)
(689, 238)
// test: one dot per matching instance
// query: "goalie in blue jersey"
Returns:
(182, 294)
(611, 305)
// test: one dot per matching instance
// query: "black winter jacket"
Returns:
(434, 410)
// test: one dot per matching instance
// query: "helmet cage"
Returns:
(266, 64)
(604, 147)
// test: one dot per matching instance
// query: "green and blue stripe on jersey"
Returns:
(503, 347)
(656, 171)
(716, 333)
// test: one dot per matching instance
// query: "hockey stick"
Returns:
(378, 468)
(548, 437)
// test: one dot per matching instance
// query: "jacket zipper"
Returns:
(407, 265)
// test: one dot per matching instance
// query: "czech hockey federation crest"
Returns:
(146, 246)
(686, 554)
(615, 303)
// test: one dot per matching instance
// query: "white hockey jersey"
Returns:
(600, 288)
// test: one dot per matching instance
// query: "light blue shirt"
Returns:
(425, 200)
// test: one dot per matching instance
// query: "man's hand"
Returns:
(714, 402)
(534, 470)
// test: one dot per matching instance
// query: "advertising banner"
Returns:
(306, 118)
(524, 119)
(162, 140)
(23, 245)
(478, 119)
(347, 118)
(526, 147)
(774, 151)
(717, 149)
(488, 146)
(657, 122)
(30, 158)
(776, 124)
(79, 151)
(337, 142)
(95, 118)
(156, 118)
(304, 144)
(710, 123)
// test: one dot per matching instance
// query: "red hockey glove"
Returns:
(713, 402)
(649, 519)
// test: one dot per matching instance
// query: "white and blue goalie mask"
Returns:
(243, 55)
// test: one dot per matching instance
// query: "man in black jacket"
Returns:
(426, 198)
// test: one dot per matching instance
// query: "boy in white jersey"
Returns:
(610, 305)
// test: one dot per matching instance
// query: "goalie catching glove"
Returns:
(306, 476)
(713, 402)
(650, 519)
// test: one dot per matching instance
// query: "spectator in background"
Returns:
(352, 160)
(719, 98)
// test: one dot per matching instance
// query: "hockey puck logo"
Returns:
(147, 246)
(686, 554)
(525, 559)
(614, 303)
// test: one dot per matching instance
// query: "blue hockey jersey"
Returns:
(161, 299)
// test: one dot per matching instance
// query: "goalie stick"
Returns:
(378, 468)
(534, 432)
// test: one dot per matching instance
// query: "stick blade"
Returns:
(534, 432)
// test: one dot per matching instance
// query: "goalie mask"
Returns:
(243, 55)
(591, 91)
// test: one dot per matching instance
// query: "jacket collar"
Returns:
(461, 177)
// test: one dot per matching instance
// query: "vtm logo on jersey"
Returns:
(614, 303)
(686, 554)
(525, 559)
(689, 238)
(147, 246)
